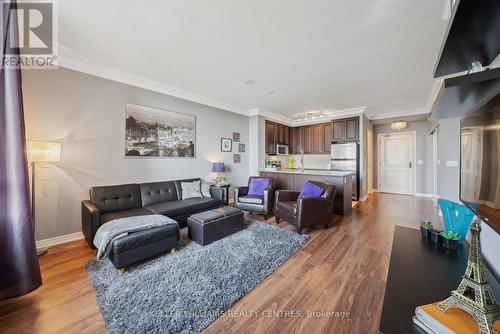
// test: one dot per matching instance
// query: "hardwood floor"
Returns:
(341, 269)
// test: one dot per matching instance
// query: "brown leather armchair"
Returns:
(305, 211)
(256, 204)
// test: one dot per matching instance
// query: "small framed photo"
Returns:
(241, 148)
(226, 144)
(237, 158)
(236, 136)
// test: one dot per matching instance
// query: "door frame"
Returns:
(479, 166)
(414, 162)
(435, 165)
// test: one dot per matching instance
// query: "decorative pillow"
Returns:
(311, 189)
(191, 189)
(257, 186)
(205, 189)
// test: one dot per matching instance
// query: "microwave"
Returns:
(281, 149)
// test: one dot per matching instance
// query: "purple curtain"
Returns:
(19, 269)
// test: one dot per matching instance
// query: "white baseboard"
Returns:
(424, 195)
(362, 199)
(45, 243)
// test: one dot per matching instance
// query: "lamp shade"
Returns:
(218, 167)
(41, 151)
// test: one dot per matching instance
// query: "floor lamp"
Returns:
(40, 151)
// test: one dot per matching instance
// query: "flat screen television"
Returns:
(480, 162)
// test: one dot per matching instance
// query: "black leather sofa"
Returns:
(112, 202)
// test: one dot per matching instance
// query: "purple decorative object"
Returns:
(19, 270)
(310, 189)
(257, 186)
(218, 167)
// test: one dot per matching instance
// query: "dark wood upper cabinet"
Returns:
(328, 137)
(286, 139)
(352, 129)
(318, 138)
(338, 133)
(307, 139)
(346, 129)
(283, 134)
(310, 139)
(271, 137)
(296, 136)
(276, 134)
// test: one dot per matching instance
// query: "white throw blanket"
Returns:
(118, 228)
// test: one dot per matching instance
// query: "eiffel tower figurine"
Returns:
(474, 294)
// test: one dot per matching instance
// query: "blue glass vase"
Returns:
(456, 217)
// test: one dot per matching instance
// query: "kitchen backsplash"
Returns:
(311, 161)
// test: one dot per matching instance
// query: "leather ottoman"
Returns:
(141, 245)
(209, 226)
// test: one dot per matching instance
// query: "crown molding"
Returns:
(156, 86)
(328, 116)
(137, 81)
(405, 113)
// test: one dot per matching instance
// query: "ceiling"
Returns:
(322, 56)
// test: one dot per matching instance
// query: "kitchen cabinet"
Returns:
(271, 137)
(328, 137)
(338, 127)
(352, 129)
(283, 134)
(346, 129)
(276, 134)
(296, 135)
(307, 139)
(311, 139)
(318, 138)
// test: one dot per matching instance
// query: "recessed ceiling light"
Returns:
(249, 82)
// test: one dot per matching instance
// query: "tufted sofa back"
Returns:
(156, 192)
(113, 198)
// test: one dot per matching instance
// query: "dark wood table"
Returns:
(420, 272)
(225, 190)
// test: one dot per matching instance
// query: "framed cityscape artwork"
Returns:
(153, 132)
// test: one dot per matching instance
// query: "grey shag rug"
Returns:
(186, 291)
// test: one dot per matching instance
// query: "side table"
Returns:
(225, 189)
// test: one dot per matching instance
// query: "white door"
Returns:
(472, 151)
(396, 163)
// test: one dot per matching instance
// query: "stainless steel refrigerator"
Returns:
(345, 157)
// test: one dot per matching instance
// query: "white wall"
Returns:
(424, 153)
(449, 159)
(87, 115)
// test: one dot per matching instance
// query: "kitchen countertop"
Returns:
(308, 171)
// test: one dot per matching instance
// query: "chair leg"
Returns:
(277, 220)
(173, 250)
(299, 230)
(326, 225)
(121, 270)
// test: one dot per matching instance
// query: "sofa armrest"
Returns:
(269, 199)
(90, 221)
(314, 211)
(287, 195)
(217, 193)
(239, 191)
